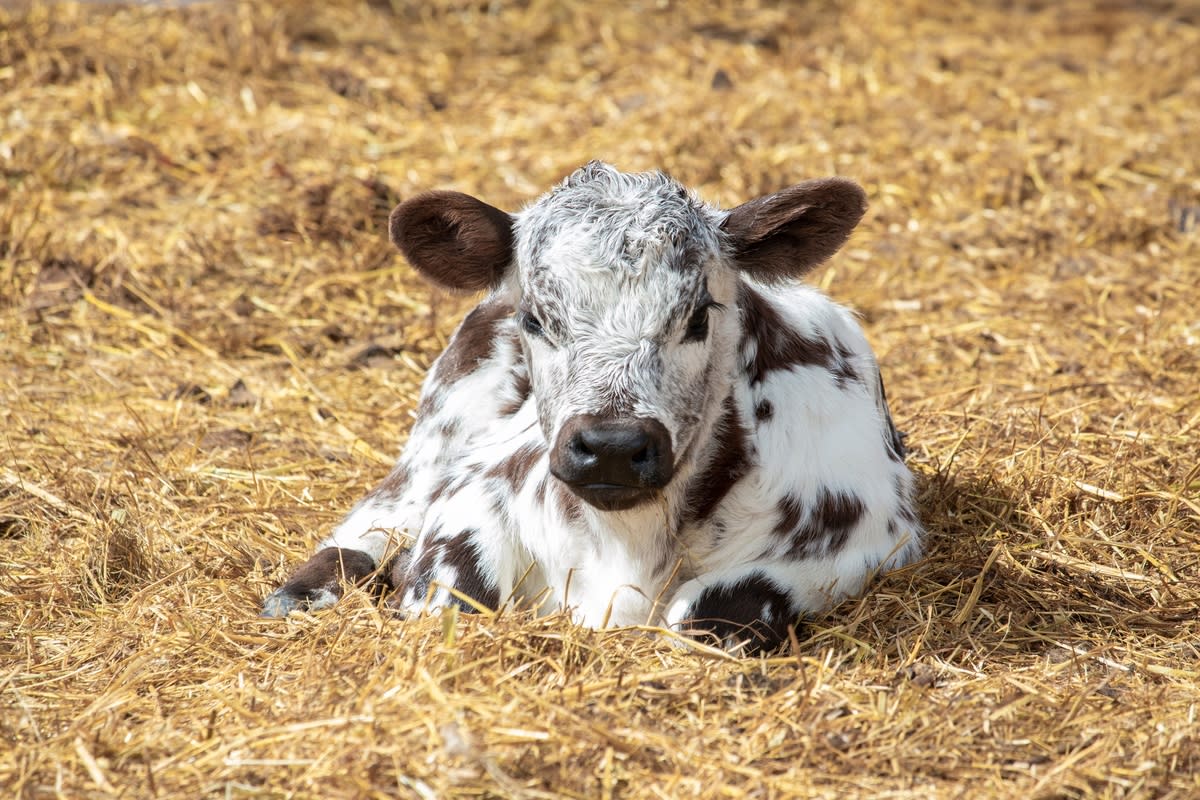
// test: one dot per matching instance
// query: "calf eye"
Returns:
(697, 329)
(531, 324)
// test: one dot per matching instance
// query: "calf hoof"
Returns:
(280, 603)
(395, 606)
(318, 583)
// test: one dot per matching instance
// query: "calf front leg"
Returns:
(319, 581)
(448, 570)
(746, 612)
(352, 553)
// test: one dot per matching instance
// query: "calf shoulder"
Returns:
(815, 496)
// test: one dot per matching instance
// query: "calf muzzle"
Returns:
(613, 463)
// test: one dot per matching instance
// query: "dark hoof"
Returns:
(280, 603)
(318, 583)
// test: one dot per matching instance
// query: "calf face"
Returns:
(626, 295)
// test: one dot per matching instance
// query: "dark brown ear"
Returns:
(453, 239)
(786, 234)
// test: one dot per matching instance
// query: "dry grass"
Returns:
(208, 352)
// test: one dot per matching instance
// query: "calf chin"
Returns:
(612, 498)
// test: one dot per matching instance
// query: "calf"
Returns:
(646, 420)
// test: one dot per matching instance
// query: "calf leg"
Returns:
(354, 549)
(318, 583)
(445, 571)
(746, 612)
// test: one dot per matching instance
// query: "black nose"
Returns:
(613, 463)
(620, 453)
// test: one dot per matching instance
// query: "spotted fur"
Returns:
(770, 480)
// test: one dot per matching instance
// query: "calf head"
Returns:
(625, 288)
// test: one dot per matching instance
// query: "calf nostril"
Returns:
(642, 456)
(580, 448)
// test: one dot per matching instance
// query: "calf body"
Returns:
(646, 421)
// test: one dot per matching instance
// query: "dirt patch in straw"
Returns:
(208, 351)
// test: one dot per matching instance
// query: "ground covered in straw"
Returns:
(208, 351)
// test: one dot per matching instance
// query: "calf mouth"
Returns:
(611, 496)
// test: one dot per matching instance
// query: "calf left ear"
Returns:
(453, 239)
(786, 234)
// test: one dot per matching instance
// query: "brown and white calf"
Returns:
(646, 420)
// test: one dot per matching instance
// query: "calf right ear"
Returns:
(453, 239)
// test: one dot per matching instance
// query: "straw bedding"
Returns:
(208, 351)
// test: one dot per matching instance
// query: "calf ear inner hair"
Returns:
(453, 239)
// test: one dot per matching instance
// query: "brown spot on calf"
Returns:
(571, 506)
(778, 345)
(394, 484)
(462, 554)
(514, 469)
(826, 526)
(473, 344)
(521, 389)
(729, 464)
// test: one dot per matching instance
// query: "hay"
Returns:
(208, 351)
